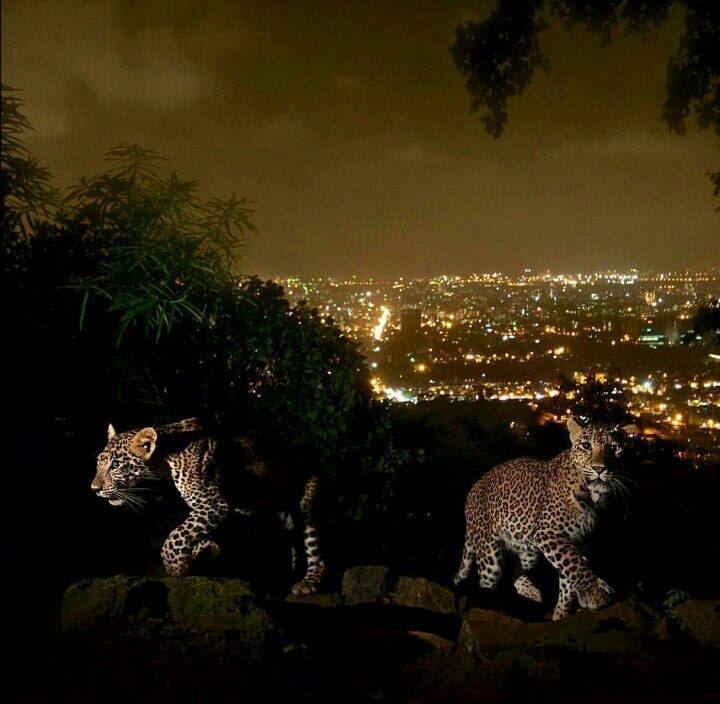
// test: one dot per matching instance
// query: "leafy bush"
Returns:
(135, 270)
(24, 183)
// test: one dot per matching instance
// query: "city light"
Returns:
(509, 338)
(379, 329)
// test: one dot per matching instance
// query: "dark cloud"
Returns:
(349, 126)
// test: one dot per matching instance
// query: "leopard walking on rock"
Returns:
(535, 508)
(189, 455)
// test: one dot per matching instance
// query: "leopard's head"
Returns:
(593, 446)
(123, 464)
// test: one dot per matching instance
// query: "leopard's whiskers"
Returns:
(127, 500)
(622, 482)
(626, 479)
(132, 499)
(622, 491)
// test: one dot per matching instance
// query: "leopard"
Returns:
(188, 453)
(535, 508)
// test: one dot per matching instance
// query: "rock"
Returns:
(699, 619)
(618, 629)
(365, 584)
(193, 608)
(93, 605)
(421, 593)
(201, 604)
(331, 600)
(489, 632)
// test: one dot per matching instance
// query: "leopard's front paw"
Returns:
(206, 548)
(176, 570)
(595, 594)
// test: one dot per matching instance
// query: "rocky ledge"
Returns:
(620, 628)
(224, 613)
(373, 584)
(625, 637)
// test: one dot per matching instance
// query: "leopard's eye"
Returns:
(586, 445)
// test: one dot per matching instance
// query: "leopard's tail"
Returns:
(468, 558)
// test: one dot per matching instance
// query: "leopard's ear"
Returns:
(574, 428)
(144, 442)
(111, 432)
(631, 429)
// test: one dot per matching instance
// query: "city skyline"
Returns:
(532, 338)
(521, 272)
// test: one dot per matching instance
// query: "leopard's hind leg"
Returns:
(468, 559)
(566, 598)
(315, 563)
(489, 556)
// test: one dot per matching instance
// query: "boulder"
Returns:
(421, 593)
(699, 619)
(618, 629)
(365, 584)
(180, 609)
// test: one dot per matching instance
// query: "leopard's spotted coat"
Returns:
(535, 508)
(130, 458)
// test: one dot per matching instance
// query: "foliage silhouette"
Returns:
(27, 195)
(707, 317)
(592, 400)
(498, 56)
(167, 253)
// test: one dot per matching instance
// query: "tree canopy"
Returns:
(498, 56)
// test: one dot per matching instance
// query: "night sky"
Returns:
(349, 126)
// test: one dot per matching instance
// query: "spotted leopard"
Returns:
(189, 455)
(535, 508)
